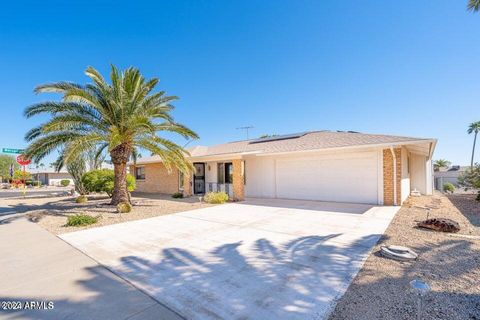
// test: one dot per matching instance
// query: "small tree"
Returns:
(471, 179)
(103, 181)
(22, 175)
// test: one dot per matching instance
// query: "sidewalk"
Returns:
(37, 266)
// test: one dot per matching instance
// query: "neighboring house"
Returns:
(318, 165)
(51, 178)
(450, 175)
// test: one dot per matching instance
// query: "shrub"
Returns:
(216, 197)
(64, 182)
(124, 207)
(102, 181)
(21, 175)
(81, 220)
(177, 195)
(448, 187)
(81, 199)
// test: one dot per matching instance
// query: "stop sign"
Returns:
(21, 160)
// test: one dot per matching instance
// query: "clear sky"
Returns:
(408, 68)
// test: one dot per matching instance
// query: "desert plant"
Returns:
(81, 199)
(448, 187)
(124, 207)
(177, 195)
(216, 197)
(119, 117)
(81, 220)
(64, 182)
(102, 180)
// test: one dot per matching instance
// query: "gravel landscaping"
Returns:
(52, 212)
(449, 263)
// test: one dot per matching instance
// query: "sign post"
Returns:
(21, 160)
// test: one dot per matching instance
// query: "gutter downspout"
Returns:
(394, 176)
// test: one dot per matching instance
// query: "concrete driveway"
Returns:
(258, 259)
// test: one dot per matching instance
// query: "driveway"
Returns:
(259, 259)
(38, 268)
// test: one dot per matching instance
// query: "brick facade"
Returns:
(238, 180)
(388, 189)
(157, 179)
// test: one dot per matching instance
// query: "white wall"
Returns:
(418, 168)
(405, 183)
(260, 177)
(429, 176)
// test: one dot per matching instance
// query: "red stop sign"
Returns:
(21, 160)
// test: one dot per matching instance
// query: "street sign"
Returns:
(10, 150)
(22, 161)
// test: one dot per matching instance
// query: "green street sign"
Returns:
(16, 151)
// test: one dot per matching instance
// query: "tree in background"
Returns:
(5, 162)
(473, 5)
(440, 163)
(474, 127)
(119, 117)
(471, 179)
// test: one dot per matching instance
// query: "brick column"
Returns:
(388, 188)
(187, 184)
(238, 185)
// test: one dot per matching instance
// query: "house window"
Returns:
(225, 172)
(180, 181)
(140, 173)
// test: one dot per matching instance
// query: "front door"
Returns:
(199, 178)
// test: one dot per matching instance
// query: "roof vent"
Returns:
(279, 137)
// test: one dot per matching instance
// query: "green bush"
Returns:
(81, 199)
(81, 220)
(64, 182)
(102, 181)
(124, 207)
(216, 197)
(35, 183)
(177, 195)
(448, 187)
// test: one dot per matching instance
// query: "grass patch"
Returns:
(81, 220)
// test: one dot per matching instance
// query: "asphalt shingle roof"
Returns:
(312, 140)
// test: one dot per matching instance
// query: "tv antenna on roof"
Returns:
(247, 128)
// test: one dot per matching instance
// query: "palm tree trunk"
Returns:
(473, 150)
(120, 157)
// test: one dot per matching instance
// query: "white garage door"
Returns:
(339, 177)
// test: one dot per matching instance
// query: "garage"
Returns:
(341, 177)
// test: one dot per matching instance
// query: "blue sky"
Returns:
(408, 68)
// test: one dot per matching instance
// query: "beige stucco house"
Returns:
(318, 165)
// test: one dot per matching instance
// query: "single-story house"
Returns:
(51, 178)
(448, 175)
(340, 166)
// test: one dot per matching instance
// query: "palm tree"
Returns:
(474, 127)
(473, 5)
(440, 163)
(119, 117)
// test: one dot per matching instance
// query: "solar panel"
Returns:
(279, 137)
